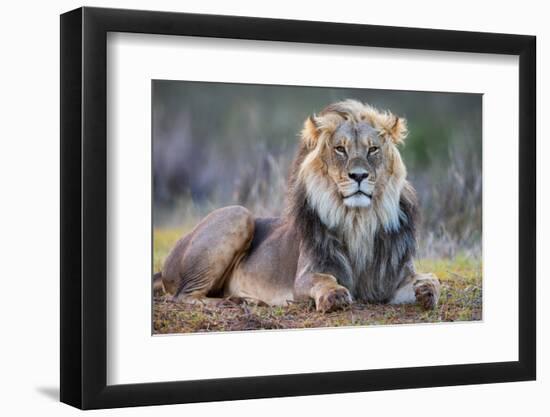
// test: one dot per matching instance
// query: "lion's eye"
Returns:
(373, 150)
(340, 149)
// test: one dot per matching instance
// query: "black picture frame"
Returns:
(84, 207)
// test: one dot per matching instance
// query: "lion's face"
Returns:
(351, 165)
(354, 157)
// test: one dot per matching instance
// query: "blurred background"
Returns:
(216, 144)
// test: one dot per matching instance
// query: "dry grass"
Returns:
(461, 300)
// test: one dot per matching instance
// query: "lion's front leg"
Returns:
(323, 289)
(423, 289)
(427, 289)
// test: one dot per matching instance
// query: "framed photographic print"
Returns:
(282, 208)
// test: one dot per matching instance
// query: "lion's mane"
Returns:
(369, 250)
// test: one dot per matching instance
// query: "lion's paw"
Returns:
(427, 290)
(333, 299)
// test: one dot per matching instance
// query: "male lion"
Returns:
(347, 232)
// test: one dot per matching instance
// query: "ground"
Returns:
(461, 300)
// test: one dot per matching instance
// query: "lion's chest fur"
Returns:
(358, 233)
(367, 256)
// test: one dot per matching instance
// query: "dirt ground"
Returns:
(461, 300)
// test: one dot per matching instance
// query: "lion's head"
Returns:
(352, 165)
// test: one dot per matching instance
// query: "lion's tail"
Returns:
(158, 286)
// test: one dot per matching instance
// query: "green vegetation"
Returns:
(461, 300)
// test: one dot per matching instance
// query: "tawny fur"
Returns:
(347, 232)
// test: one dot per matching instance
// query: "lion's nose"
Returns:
(358, 175)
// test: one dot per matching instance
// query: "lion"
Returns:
(347, 232)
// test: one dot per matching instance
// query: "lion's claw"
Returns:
(334, 299)
(427, 292)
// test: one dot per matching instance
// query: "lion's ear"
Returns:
(395, 128)
(311, 132)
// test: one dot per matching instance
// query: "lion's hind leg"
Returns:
(197, 267)
(423, 289)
